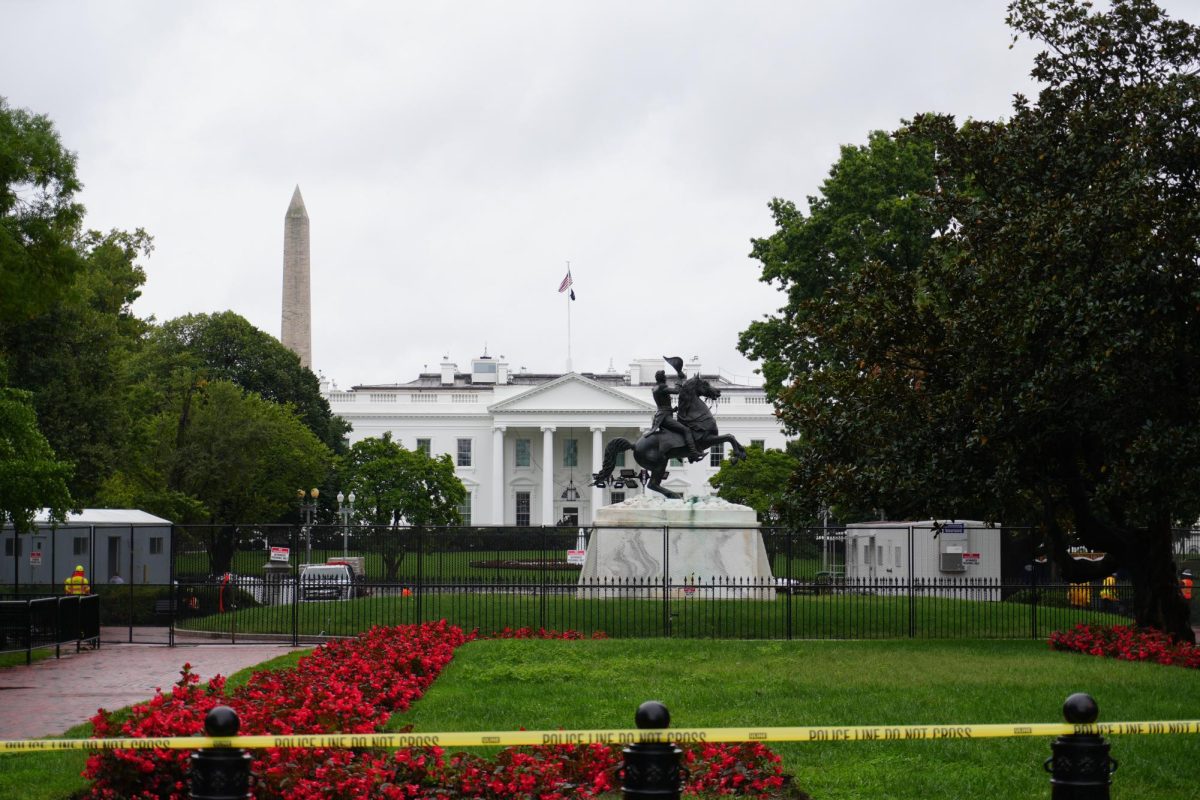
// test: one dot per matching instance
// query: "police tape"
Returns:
(396, 741)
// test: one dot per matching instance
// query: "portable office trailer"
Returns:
(942, 550)
(107, 542)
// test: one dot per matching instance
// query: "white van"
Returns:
(326, 582)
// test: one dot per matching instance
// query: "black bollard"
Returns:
(221, 773)
(1079, 765)
(651, 769)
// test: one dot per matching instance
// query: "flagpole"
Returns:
(568, 298)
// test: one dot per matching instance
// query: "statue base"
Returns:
(711, 549)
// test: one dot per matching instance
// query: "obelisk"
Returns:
(297, 297)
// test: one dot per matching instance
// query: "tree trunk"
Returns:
(222, 541)
(1157, 600)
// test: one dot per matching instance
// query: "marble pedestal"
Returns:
(712, 550)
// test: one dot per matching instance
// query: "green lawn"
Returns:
(508, 684)
(856, 616)
(503, 685)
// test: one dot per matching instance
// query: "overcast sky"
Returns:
(454, 157)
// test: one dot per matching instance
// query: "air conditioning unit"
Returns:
(952, 562)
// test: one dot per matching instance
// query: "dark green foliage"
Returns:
(224, 346)
(31, 477)
(1001, 320)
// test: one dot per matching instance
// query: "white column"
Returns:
(498, 475)
(548, 476)
(597, 462)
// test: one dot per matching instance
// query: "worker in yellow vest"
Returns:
(1108, 595)
(77, 583)
(1185, 584)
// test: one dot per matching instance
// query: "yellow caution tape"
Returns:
(395, 741)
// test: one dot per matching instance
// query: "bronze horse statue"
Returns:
(654, 450)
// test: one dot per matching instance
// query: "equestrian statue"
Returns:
(682, 432)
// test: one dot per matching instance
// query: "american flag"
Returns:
(566, 283)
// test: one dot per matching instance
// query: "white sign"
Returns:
(279, 554)
(35, 558)
(576, 556)
(971, 558)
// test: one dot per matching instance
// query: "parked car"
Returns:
(326, 582)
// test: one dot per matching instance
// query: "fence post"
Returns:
(1079, 764)
(220, 773)
(651, 769)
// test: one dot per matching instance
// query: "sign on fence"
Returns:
(279, 554)
(35, 558)
(970, 558)
(576, 556)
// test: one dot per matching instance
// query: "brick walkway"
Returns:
(51, 695)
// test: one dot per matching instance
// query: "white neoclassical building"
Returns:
(525, 445)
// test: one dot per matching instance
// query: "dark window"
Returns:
(8, 545)
(522, 453)
(570, 452)
(522, 508)
(715, 454)
(79, 546)
(156, 545)
(464, 452)
(425, 446)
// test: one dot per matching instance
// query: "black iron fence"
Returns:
(33, 623)
(298, 583)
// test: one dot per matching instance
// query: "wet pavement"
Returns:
(50, 696)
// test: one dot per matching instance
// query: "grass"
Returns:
(57, 776)
(844, 616)
(17, 659)
(508, 684)
(505, 684)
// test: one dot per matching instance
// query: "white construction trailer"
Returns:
(954, 554)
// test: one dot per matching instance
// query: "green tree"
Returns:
(73, 357)
(39, 218)
(225, 346)
(31, 477)
(394, 486)
(221, 456)
(762, 481)
(1034, 356)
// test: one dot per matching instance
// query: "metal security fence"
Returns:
(33, 623)
(264, 582)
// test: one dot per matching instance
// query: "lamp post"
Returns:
(308, 507)
(345, 511)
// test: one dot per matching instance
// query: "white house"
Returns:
(525, 444)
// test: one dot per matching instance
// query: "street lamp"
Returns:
(345, 511)
(308, 507)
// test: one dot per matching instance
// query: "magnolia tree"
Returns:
(1001, 320)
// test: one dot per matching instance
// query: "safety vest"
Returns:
(1187, 588)
(1109, 592)
(76, 584)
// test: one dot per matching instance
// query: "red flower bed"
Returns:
(353, 686)
(1126, 643)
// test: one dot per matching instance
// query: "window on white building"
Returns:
(570, 452)
(156, 545)
(522, 456)
(464, 452)
(715, 454)
(761, 444)
(618, 497)
(425, 446)
(522, 508)
(9, 545)
(620, 462)
(464, 510)
(79, 546)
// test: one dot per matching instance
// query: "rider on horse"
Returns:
(664, 417)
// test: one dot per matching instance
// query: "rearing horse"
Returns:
(655, 450)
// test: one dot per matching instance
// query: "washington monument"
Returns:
(297, 298)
